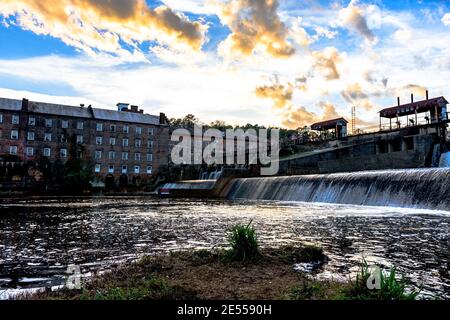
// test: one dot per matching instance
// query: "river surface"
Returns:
(40, 238)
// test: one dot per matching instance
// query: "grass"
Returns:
(244, 243)
(390, 286)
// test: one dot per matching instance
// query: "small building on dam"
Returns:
(412, 135)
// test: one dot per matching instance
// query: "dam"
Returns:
(427, 188)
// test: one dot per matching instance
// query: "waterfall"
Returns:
(412, 188)
(445, 160)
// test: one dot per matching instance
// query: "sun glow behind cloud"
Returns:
(267, 61)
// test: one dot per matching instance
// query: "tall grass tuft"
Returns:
(244, 243)
(390, 287)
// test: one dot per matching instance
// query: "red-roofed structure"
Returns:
(339, 125)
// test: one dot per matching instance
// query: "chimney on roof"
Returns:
(134, 109)
(122, 107)
(25, 104)
(82, 105)
(163, 118)
(398, 101)
(426, 92)
(412, 98)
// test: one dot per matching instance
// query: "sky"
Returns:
(286, 63)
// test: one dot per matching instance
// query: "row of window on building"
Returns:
(31, 136)
(47, 152)
(15, 119)
(112, 169)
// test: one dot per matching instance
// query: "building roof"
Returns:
(412, 108)
(329, 124)
(79, 112)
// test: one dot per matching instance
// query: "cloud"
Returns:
(280, 94)
(355, 95)
(446, 19)
(255, 24)
(415, 89)
(298, 118)
(301, 117)
(104, 25)
(353, 17)
(326, 61)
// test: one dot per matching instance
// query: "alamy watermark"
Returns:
(74, 280)
(233, 147)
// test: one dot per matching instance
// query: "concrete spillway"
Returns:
(411, 188)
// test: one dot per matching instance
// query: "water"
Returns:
(412, 188)
(40, 237)
(445, 160)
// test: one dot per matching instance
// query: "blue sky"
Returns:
(284, 63)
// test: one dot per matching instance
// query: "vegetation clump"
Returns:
(244, 243)
(387, 286)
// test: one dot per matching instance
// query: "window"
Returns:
(150, 145)
(13, 150)
(32, 121)
(79, 139)
(137, 157)
(137, 169)
(138, 130)
(47, 152)
(48, 123)
(149, 157)
(98, 155)
(112, 155)
(151, 131)
(99, 141)
(149, 169)
(126, 129)
(113, 128)
(63, 153)
(138, 143)
(15, 119)
(99, 127)
(125, 142)
(98, 168)
(112, 141)
(1, 118)
(48, 137)
(30, 136)
(80, 125)
(14, 134)
(65, 124)
(124, 169)
(111, 169)
(125, 156)
(30, 151)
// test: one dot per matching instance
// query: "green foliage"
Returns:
(244, 243)
(76, 175)
(391, 288)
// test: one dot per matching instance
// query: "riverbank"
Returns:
(210, 275)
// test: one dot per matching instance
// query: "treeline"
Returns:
(292, 141)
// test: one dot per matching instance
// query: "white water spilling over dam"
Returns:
(410, 188)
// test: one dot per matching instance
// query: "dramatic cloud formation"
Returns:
(301, 117)
(326, 61)
(255, 24)
(353, 18)
(354, 94)
(101, 25)
(415, 89)
(280, 94)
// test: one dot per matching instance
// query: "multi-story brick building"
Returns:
(122, 145)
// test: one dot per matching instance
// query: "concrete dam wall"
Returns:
(411, 188)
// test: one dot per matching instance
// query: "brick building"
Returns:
(120, 146)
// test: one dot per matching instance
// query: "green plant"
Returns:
(390, 287)
(243, 242)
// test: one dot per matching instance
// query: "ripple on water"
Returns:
(40, 238)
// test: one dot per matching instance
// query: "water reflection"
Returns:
(39, 238)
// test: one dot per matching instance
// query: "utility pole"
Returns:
(353, 120)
